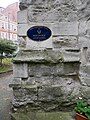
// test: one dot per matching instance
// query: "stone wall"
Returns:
(53, 74)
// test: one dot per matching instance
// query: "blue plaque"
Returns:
(39, 33)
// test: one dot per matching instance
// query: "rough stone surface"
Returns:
(30, 44)
(56, 10)
(22, 17)
(50, 80)
(65, 42)
(42, 116)
(20, 70)
(54, 77)
(22, 30)
(65, 28)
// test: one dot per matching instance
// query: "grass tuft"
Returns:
(6, 65)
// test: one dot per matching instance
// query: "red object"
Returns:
(80, 117)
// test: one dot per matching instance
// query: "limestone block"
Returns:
(24, 4)
(22, 30)
(39, 56)
(40, 70)
(86, 81)
(30, 81)
(57, 10)
(40, 81)
(20, 70)
(32, 24)
(65, 41)
(82, 27)
(84, 55)
(58, 80)
(71, 68)
(49, 93)
(85, 70)
(86, 92)
(19, 93)
(83, 42)
(72, 17)
(30, 44)
(71, 55)
(31, 93)
(88, 30)
(65, 28)
(16, 83)
(22, 17)
(88, 25)
(22, 96)
(57, 69)
(22, 42)
(59, 92)
(88, 69)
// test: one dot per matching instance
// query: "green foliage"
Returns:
(7, 46)
(6, 65)
(83, 108)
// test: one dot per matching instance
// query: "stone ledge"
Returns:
(47, 56)
(38, 56)
(42, 116)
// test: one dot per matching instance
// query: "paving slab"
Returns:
(5, 96)
(43, 116)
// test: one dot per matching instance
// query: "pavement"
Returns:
(5, 96)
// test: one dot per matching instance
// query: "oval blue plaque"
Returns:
(39, 33)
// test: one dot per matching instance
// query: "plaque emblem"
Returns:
(39, 33)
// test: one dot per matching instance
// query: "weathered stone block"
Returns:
(57, 69)
(82, 27)
(71, 55)
(58, 93)
(65, 28)
(68, 68)
(22, 17)
(85, 80)
(16, 83)
(24, 95)
(86, 92)
(22, 30)
(71, 68)
(30, 44)
(19, 93)
(83, 42)
(40, 81)
(20, 70)
(88, 24)
(39, 56)
(65, 41)
(58, 80)
(49, 93)
(22, 42)
(31, 94)
(84, 55)
(40, 70)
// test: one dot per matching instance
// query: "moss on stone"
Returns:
(42, 116)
